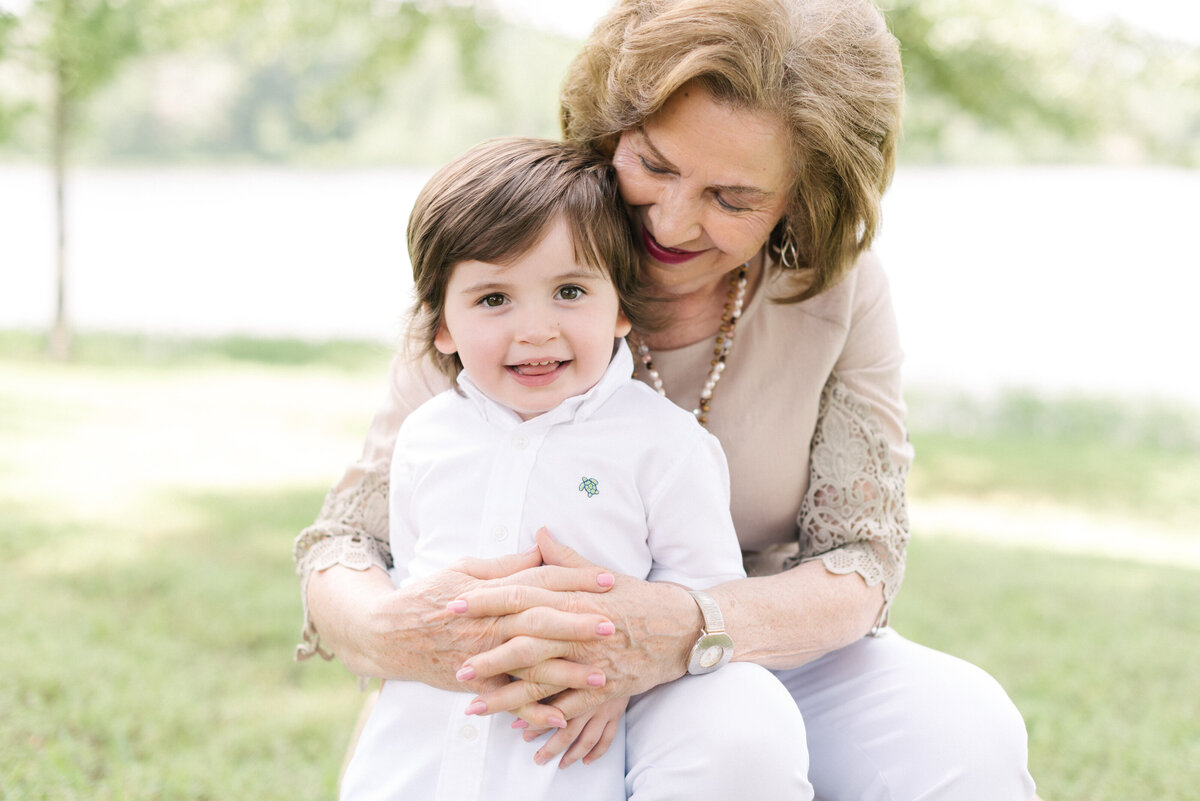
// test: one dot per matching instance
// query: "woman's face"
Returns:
(706, 183)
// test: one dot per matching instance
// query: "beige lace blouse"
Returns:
(810, 414)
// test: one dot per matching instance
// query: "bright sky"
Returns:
(1178, 19)
(1173, 18)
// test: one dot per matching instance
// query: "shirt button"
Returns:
(500, 533)
(468, 732)
(520, 442)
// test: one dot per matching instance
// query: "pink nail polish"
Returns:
(458, 607)
(520, 724)
(476, 708)
(465, 673)
(604, 629)
(596, 680)
(557, 723)
(605, 579)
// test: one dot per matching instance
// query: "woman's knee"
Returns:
(894, 720)
(985, 736)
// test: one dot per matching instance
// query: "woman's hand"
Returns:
(654, 627)
(410, 634)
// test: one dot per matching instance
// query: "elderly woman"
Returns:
(753, 140)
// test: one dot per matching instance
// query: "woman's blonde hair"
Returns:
(830, 69)
(495, 202)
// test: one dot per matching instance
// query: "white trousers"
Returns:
(883, 719)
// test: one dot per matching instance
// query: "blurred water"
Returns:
(1080, 279)
(313, 254)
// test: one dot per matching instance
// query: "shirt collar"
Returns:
(575, 408)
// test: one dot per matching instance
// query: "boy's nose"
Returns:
(536, 328)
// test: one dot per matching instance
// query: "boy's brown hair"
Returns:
(495, 202)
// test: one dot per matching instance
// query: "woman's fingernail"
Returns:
(458, 607)
(476, 708)
(557, 723)
(604, 629)
(465, 673)
(605, 579)
(540, 758)
(520, 724)
(596, 680)
(532, 548)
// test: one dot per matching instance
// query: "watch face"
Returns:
(710, 652)
(711, 656)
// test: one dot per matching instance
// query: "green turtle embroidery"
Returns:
(590, 486)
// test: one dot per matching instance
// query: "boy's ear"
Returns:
(443, 341)
(623, 325)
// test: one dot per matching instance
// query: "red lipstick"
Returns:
(664, 254)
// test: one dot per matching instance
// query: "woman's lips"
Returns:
(664, 254)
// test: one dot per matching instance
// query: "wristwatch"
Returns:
(715, 647)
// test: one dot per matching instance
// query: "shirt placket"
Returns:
(504, 502)
(466, 739)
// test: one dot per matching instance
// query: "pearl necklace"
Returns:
(729, 318)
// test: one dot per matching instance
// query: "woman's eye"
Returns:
(648, 167)
(493, 300)
(723, 203)
(570, 293)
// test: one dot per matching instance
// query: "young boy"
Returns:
(526, 282)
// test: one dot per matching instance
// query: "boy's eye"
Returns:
(570, 293)
(493, 300)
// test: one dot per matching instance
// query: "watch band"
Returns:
(714, 621)
(714, 648)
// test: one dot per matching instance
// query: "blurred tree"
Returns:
(9, 111)
(1020, 80)
(79, 46)
(76, 46)
(998, 61)
(330, 73)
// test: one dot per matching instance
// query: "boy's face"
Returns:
(534, 332)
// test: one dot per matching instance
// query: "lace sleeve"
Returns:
(854, 516)
(351, 530)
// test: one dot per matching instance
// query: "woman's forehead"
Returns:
(735, 146)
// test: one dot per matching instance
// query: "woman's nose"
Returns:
(676, 218)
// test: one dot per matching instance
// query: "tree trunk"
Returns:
(60, 334)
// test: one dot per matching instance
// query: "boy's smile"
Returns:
(533, 332)
(534, 374)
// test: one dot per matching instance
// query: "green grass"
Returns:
(1138, 460)
(168, 675)
(126, 350)
(1099, 655)
(149, 493)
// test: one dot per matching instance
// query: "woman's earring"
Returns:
(787, 251)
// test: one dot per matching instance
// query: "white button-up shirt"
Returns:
(626, 478)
